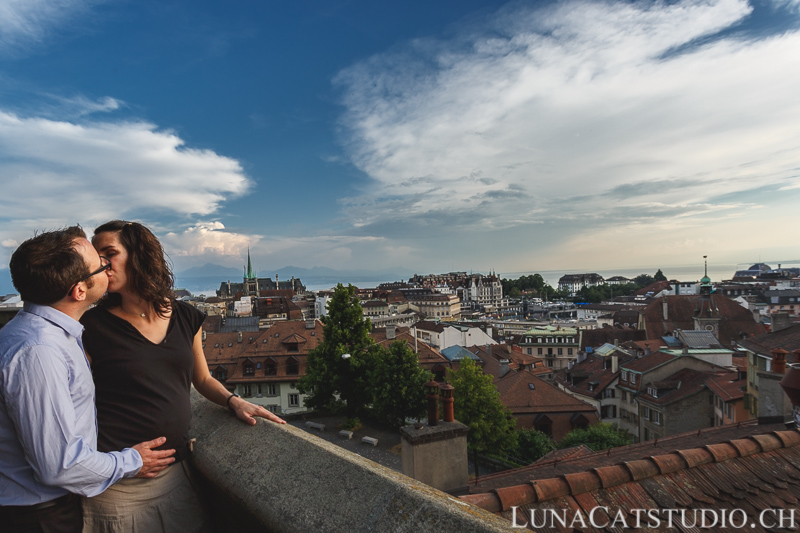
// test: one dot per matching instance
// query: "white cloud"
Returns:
(57, 173)
(27, 22)
(561, 109)
(209, 240)
(103, 170)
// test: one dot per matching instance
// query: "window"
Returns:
(539, 351)
(258, 389)
(271, 368)
(272, 389)
(292, 366)
(530, 351)
(624, 375)
(560, 351)
(569, 351)
(633, 379)
(274, 409)
(609, 393)
(646, 413)
(656, 415)
(248, 369)
(294, 400)
(247, 391)
(624, 396)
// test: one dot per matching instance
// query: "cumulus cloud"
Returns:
(56, 173)
(613, 111)
(106, 169)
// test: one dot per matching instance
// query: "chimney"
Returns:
(780, 321)
(665, 309)
(432, 394)
(437, 454)
(240, 337)
(391, 332)
(779, 360)
(447, 401)
(616, 342)
(647, 350)
(614, 363)
(503, 367)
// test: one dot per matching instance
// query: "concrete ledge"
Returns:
(346, 434)
(315, 425)
(286, 480)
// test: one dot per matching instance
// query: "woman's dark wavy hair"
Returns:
(149, 274)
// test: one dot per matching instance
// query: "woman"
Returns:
(146, 350)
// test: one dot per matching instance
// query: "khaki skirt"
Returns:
(166, 503)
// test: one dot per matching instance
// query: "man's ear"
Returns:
(79, 292)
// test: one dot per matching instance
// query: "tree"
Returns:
(477, 404)
(643, 280)
(532, 445)
(398, 385)
(334, 382)
(659, 276)
(597, 437)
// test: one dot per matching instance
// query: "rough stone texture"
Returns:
(773, 403)
(437, 455)
(280, 478)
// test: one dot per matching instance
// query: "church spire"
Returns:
(250, 273)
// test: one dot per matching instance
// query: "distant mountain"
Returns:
(211, 270)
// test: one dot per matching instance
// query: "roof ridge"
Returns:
(502, 499)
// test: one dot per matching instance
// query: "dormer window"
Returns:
(249, 370)
(633, 378)
(624, 375)
(652, 391)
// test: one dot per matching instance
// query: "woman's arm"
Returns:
(216, 392)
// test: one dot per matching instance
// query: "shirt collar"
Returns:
(67, 323)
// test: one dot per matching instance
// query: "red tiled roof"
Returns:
(519, 397)
(787, 339)
(736, 322)
(590, 370)
(648, 362)
(682, 384)
(261, 346)
(754, 473)
(727, 386)
(428, 356)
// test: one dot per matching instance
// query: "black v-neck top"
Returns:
(142, 389)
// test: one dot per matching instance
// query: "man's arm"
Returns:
(59, 443)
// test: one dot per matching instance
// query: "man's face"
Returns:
(97, 284)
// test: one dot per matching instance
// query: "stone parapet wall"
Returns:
(282, 479)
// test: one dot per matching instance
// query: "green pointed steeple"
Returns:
(250, 273)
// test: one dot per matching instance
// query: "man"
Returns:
(48, 429)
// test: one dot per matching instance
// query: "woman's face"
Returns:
(107, 244)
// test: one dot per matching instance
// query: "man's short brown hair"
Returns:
(45, 267)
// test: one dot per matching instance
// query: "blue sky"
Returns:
(434, 136)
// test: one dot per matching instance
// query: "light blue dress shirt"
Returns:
(48, 426)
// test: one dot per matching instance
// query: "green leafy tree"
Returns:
(477, 404)
(398, 385)
(597, 437)
(533, 445)
(334, 382)
(659, 276)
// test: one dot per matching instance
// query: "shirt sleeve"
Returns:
(40, 404)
